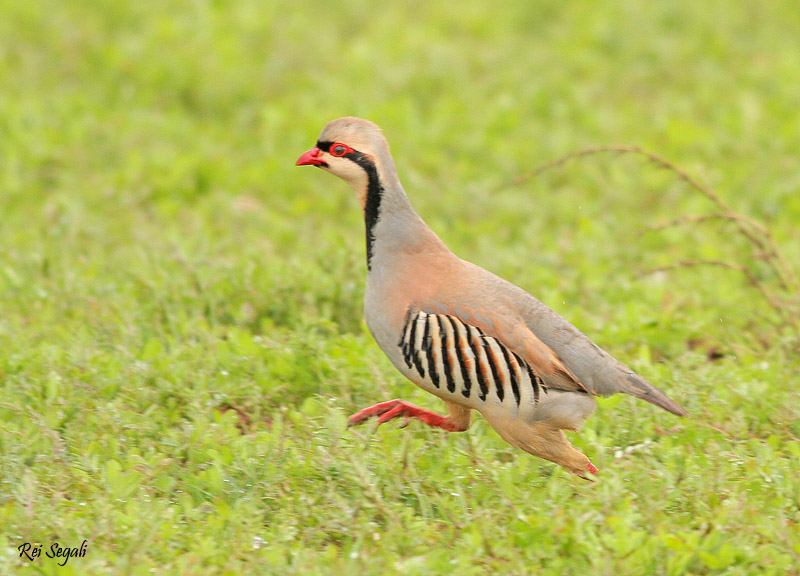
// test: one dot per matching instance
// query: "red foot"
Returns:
(397, 408)
(593, 469)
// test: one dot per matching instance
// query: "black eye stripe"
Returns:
(330, 147)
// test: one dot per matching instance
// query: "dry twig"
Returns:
(762, 243)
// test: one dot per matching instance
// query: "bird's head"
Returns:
(354, 150)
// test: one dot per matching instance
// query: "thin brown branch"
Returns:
(764, 247)
(559, 162)
(749, 227)
(755, 282)
(714, 216)
(655, 158)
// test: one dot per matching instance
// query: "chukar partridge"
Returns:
(458, 331)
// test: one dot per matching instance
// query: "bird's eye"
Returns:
(340, 150)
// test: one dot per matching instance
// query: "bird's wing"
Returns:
(498, 345)
(550, 341)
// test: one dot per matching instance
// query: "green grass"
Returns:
(181, 333)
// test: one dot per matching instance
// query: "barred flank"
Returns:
(443, 349)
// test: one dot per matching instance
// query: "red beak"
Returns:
(311, 158)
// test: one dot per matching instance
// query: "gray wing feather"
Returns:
(592, 365)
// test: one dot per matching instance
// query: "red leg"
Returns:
(398, 408)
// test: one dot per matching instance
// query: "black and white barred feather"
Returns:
(461, 358)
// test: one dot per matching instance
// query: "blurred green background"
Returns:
(181, 333)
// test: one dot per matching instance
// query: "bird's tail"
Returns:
(641, 388)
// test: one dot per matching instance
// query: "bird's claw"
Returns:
(377, 410)
(391, 409)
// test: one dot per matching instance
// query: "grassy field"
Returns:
(181, 331)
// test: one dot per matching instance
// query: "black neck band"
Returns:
(372, 205)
